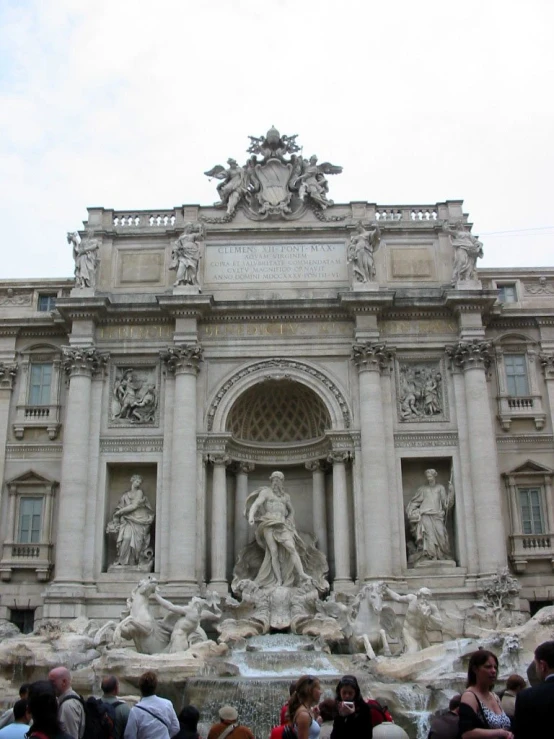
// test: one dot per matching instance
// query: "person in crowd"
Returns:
(353, 719)
(7, 717)
(43, 707)
(152, 717)
(110, 691)
(481, 714)
(229, 723)
(379, 711)
(20, 724)
(284, 717)
(514, 684)
(327, 713)
(71, 712)
(307, 693)
(445, 725)
(534, 714)
(188, 721)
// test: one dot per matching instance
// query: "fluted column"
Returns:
(318, 504)
(8, 372)
(219, 522)
(547, 363)
(183, 360)
(241, 493)
(473, 357)
(371, 360)
(80, 363)
(340, 519)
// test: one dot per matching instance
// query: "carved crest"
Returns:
(281, 183)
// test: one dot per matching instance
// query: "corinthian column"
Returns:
(8, 372)
(340, 520)
(219, 522)
(318, 503)
(371, 360)
(241, 493)
(80, 363)
(473, 357)
(183, 361)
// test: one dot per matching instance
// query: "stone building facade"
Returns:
(281, 348)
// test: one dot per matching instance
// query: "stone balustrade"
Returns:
(144, 219)
(525, 548)
(37, 557)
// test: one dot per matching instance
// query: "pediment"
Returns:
(31, 478)
(529, 468)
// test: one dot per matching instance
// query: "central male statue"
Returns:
(270, 510)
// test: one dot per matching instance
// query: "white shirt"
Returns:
(141, 725)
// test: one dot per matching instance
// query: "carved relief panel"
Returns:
(134, 395)
(421, 395)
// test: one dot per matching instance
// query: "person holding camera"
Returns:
(353, 719)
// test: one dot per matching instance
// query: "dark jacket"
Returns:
(534, 715)
(356, 726)
(444, 726)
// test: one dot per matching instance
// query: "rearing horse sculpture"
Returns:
(368, 620)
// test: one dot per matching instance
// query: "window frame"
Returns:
(515, 377)
(502, 286)
(50, 306)
(518, 406)
(526, 489)
(31, 529)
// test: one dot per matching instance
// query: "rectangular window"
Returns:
(30, 515)
(46, 303)
(531, 514)
(507, 293)
(41, 380)
(23, 618)
(516, 374)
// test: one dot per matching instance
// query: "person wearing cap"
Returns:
(229, 726)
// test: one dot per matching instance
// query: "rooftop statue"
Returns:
(85, 255)
(280, 183)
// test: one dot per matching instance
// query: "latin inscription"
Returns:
(257, 263)
(218, 330)
(129, 332)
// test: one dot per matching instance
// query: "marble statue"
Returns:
(420, 391)
(311, 180)
(282, 183)
(427, 513)
(135, 400)
(85, 255)
(364, 242)
(421, 616)
(467, 250)
(138, 623)
(278, 556)
(370, 620)
(185, 255)
(187, 629)
(131, 522)
(233, 187)
(498, 594)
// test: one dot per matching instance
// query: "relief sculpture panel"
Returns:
(134, 396)
(420, 391)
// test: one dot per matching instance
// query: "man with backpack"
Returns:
(110, 691)
(71, 709)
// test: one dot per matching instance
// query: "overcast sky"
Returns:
(125, 103)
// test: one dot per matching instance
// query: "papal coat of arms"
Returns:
(275, 181)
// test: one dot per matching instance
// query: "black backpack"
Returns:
(99, 717)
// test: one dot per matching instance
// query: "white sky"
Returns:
(125, 104)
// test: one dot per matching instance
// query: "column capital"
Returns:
(218, 459)
(8, 371)
(314, 465)
(338, 457)
(372, 357)
(83, 360)
(470, 354)
(182, 358)
(547, 363)
(245, 467)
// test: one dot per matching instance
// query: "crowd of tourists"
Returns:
(51, 709)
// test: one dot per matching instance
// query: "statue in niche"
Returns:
(278, 556)
(185, 255)
(421, 616)
(187, 629)
(427, 512)
(420, 391)
(467, 250)
(134, 399)
(132, 521)
(364, 242)
(85, 255)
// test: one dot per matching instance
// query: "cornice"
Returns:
(371, 302)
(424, 439)
(516, 439)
